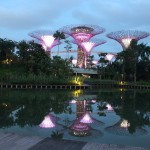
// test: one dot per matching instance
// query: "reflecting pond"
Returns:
(114, 116)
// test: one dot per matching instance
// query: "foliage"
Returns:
(57, 135)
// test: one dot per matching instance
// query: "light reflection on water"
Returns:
(114, 117)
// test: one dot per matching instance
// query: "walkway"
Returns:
(12, 141)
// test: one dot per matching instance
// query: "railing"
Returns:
(99, 85)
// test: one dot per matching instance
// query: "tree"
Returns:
(60, 68)
(103, 63)
(7, 48)
(23, 48)
(58, 36)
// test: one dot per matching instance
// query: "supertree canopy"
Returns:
(124, 37)
(88, 46)
(47, 122)
(46, 39)
(82, 33)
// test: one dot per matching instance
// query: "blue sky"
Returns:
(19, 17)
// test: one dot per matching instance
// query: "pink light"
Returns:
(81, 37)
(74, 61)
(109, 107)
(88, 46)
(47, 122)
(109, 57)
(86, 118)
(48, 40)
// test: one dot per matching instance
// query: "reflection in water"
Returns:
(79, 129)
(86, 118)
(83, 116)
(109, 107)
(47, 122)
(124, 124)
(121, 128)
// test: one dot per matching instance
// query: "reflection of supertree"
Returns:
(82, 33)
(79, 129)
(46, 39)
(47, 122)
(122, 128)
(87, 46)
(86, 118)
(124, 37)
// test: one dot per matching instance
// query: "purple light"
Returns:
(47, 122)
(82, 33)
(45, 38)
(86, 118)
(125, 37)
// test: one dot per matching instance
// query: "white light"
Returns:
(125, 124)
(109, 57)
(109, 107)
(74, 61)
(48, 40)
(73, 101)
(126, 42)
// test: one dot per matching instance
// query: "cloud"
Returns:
(24, 14)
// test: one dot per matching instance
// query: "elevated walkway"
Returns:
(85, 71)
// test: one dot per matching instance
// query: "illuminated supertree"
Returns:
(82, 33)
(125, 37)
(87, 46)
(110, 56)
(46, 39)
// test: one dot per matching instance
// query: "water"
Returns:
(104, 116)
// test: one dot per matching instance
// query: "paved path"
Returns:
(12, 141)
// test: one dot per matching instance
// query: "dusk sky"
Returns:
(19, 17)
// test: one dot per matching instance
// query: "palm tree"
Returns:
(58, 36)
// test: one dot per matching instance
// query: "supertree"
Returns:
(124, 37)
(110, 56)
(87, 46)
(46, 39)
(82, 33)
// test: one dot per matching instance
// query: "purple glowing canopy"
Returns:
(82, 32)
(46, 38)
(89, 45)
(86, 118)
(124, 37)
(47, 122)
